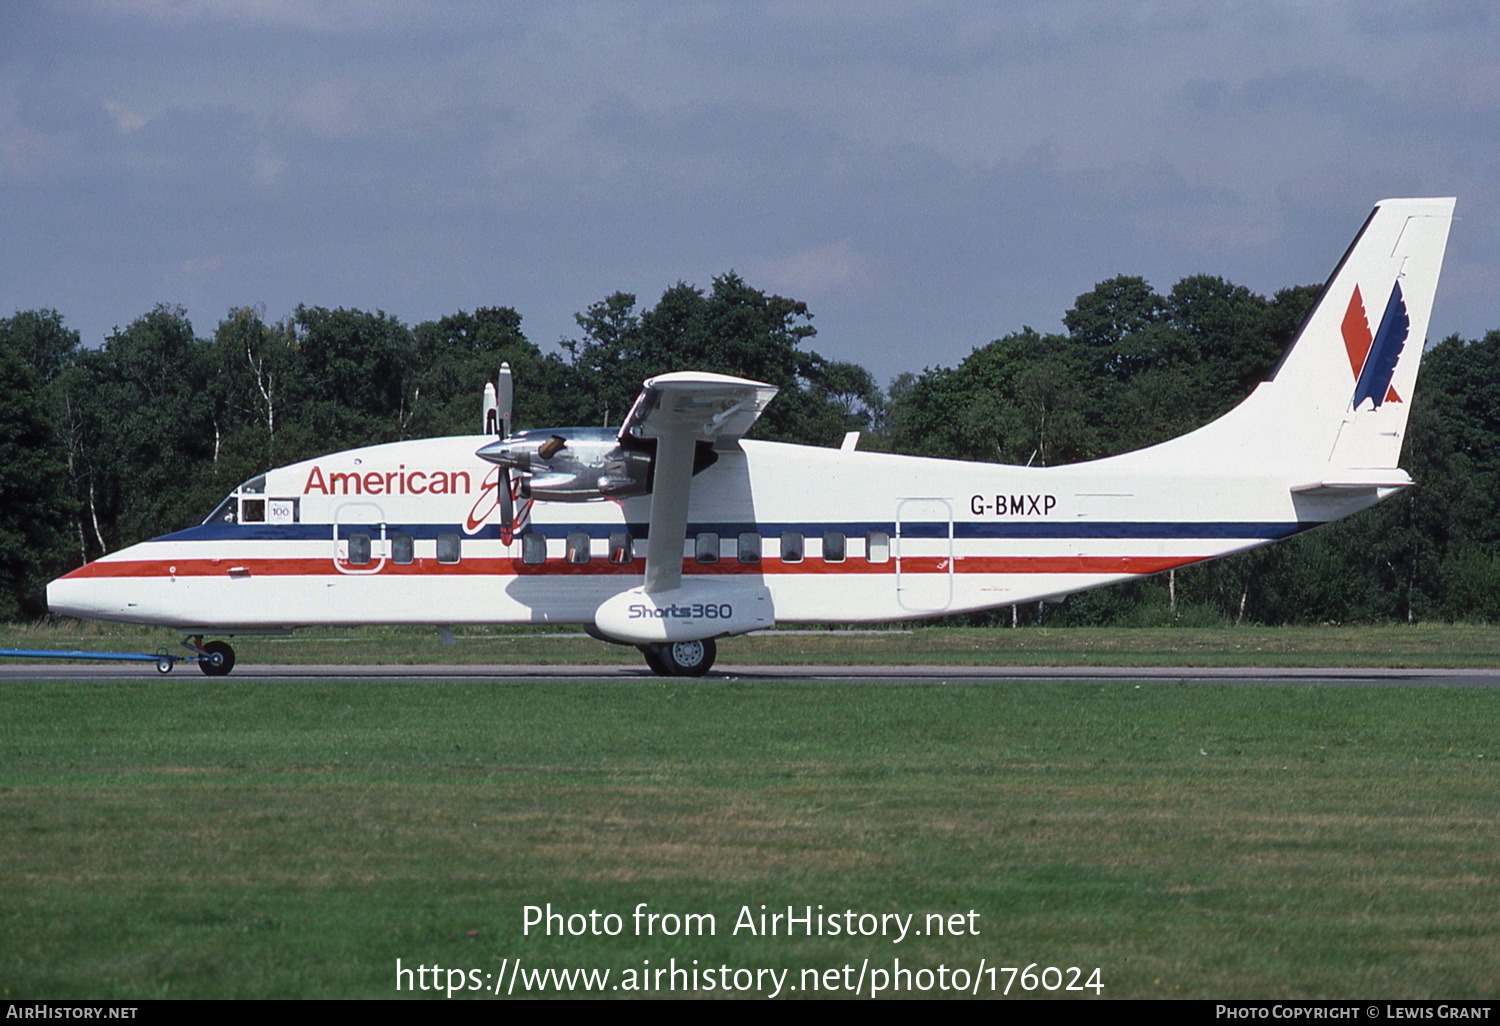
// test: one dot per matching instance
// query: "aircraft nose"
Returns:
(81, 597)
(66, 598)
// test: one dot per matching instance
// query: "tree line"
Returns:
(103, 447)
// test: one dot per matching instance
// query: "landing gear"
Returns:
(655, 661)
(216, 658)
(680, 658)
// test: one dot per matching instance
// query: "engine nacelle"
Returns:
(582, 464)
(698, 610)
(572, 464)
(614, 475)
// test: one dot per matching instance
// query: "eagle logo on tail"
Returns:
(1373, 358)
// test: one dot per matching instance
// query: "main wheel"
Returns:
(689, 658)
(655, 661)
(218, 659)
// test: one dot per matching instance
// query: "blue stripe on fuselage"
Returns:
(930, 529)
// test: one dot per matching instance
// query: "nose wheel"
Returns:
(680, 658)
(216, 658)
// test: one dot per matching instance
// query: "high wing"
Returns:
(680, 410)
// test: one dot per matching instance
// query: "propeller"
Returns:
(505, 394)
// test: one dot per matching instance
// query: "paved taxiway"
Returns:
(1482, 678)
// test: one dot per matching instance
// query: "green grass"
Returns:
(1427, 645)
(172, 837)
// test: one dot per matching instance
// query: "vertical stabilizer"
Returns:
(1342, 393)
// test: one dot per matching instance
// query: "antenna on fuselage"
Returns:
(489, 419)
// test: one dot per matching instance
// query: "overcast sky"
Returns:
(926, 176)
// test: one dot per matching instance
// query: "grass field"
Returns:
(172, 838)
(1431, 645)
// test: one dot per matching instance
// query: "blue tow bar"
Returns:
(163, 659)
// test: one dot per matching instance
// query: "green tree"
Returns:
(34, 501)
(1021, 399)
(149, 423)
(452, 358)
(348, 389)
(733, 329)
(1112, 313)
(1453, 453)
(41, 340)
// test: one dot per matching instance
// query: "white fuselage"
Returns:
(410, 532)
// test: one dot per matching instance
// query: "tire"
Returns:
(218, 659)
(690, 658)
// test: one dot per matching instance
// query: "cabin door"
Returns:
(359, 538)
(1099, 517)
(924, 555)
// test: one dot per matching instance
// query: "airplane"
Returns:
(676, 530)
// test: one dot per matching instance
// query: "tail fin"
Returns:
(1340, 397)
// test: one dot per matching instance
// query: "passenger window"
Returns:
(533, 548)
(749, 548)
(253, 511)
(706, 548)
(449, 547)
(620, 548)
(359, 549)
(578, 547)
(878, 547)
(833, 547)
(403, 549)
(791, 547)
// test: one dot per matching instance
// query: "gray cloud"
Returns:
(928, 177)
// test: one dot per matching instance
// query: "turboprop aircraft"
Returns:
(675, 530)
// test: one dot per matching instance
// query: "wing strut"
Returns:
(667, 613)
(671, 488)
(680, 410)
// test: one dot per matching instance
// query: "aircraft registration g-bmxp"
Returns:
(675, 530)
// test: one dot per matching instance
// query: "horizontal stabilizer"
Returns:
(1357, 481)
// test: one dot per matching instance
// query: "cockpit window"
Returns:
(227, 512)
(254, 510)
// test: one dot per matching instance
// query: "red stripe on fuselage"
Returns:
(483, 566)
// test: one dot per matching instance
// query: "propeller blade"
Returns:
(505, 396)
(507, 504)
